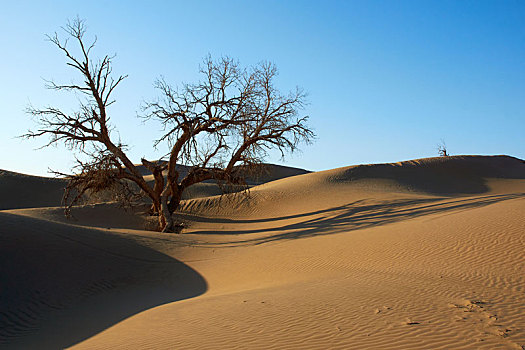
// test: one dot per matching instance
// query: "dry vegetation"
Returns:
(219, 127)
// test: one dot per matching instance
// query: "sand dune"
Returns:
(423, 254)
(422, 178)
(266, 173)
(25, 191)
(53, 274)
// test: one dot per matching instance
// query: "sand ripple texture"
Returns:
(426, 254)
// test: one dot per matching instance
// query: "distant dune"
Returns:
(441, 176)
(26, 191)
(421, 254)
(267, 173)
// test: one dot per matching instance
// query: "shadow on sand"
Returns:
(352, 216)
(61, 284)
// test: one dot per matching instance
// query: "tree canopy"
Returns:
(219, 126)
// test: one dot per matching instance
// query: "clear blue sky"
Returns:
(386, 79)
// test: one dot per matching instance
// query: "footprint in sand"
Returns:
(382, 310)
(477, 312)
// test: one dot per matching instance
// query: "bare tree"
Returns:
(219, 127)
(442, 149)
(88, 129)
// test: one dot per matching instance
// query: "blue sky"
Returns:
(387, 80)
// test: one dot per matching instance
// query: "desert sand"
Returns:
(422, 254)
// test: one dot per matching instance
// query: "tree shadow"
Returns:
(352, 216)
(62, 284)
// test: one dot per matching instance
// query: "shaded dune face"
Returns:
(19, 191)
(62, 284)
(25, 191)
(369, 188)
(444, 175)
(265, 173)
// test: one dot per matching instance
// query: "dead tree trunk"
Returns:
(231, 118)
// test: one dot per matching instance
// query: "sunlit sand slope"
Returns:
(362, 257)
(425, 254)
